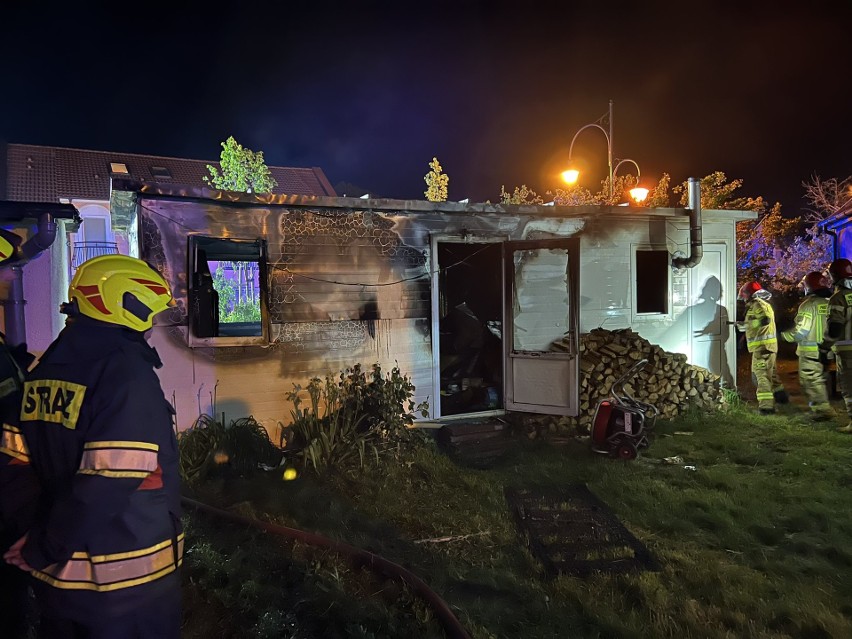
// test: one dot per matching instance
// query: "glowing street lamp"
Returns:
(571, 175)
(637, 193)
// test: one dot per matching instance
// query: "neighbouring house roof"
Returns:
(841, 218)
(47, 173)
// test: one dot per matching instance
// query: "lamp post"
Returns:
(571, 175)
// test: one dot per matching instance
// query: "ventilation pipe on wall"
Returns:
(42, 239)
(696, 246)
(835, 243)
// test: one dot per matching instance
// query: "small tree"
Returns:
(521, 195)
(436, 182)
(243, 170)
(826, 197)
(659, 196)
(575, 195)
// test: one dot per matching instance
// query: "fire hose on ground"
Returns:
(356, 556)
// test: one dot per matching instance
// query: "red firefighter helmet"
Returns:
(840, 269)
(815, 281)
(747, 290)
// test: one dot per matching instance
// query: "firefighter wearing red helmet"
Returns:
(840, 329)
(95, 430)
(811, 333)
(762, 343)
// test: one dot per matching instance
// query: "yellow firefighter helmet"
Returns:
(9, 243)
(119, 289)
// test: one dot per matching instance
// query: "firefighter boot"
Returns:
(781, 396)
(821, 415)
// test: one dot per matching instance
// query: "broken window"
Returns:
(227, 290)
(652, 281)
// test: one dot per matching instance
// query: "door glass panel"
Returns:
(541, 307)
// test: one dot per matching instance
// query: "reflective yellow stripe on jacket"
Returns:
(104, 573)
(13, 444)
(811, 325)
(119, 459)
(760, 325)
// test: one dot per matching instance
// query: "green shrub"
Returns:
(352, 417)
(242, 446)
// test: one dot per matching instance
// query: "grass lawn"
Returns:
(757, 542)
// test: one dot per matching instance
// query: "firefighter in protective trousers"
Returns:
(105, 543)
(810, 333)
(840, 329)
(14, 362)
(762, 343)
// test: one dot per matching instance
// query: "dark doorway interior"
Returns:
(471, 320)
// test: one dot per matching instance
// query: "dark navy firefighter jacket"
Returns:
(98, 432)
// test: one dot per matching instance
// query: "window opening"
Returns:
(652, 281)
(228, 287)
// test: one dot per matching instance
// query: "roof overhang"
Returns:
(20, 211)
(173, 191)
(838, 220)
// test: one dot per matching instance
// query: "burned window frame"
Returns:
(661, 272)
(202, 304)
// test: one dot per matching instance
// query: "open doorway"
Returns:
(470, 319)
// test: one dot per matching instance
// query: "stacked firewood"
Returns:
(667, 381)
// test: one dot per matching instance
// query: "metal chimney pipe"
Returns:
(696, 245)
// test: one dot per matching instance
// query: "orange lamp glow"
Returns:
(639, 194)
(571, 176)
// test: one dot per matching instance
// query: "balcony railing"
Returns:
(82, 251)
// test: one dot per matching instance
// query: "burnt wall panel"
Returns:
(346, 266)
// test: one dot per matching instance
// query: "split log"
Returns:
(668, 381)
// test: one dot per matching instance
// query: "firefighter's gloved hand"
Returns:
(788, 336)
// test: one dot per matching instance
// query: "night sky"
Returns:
(371, 91)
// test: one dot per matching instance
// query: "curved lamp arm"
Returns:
(608, 147)
(637, 193)
(583, 128)
(620, 162)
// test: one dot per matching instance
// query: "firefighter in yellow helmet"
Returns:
(762, 343)
(810, 333)
(840, 329)
(106, 542)
(14, 361)
(8, 249)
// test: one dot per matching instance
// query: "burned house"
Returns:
(467, 299)
(44, 177)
